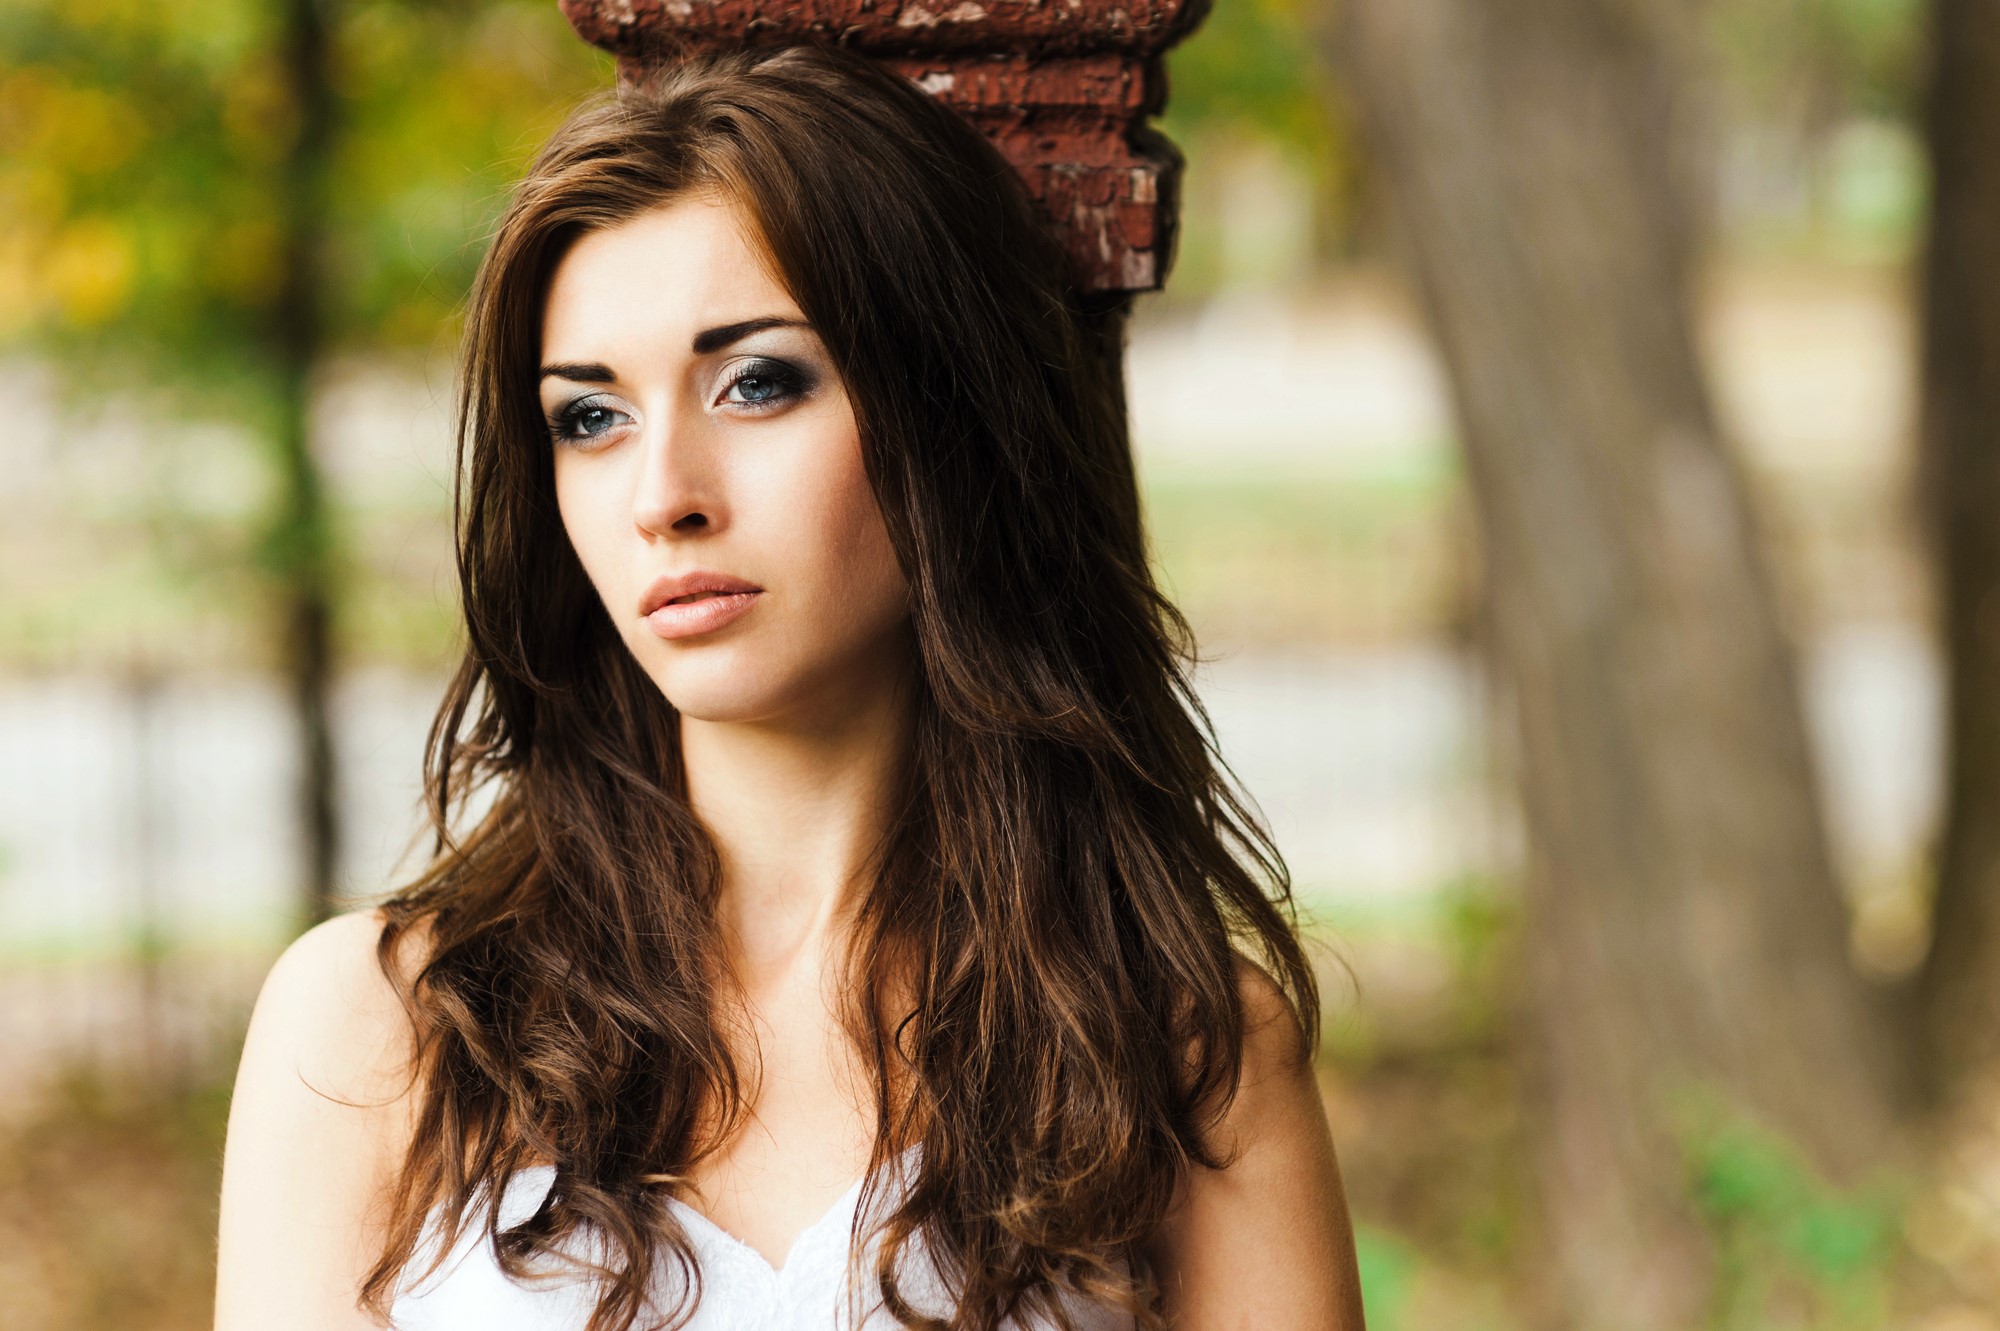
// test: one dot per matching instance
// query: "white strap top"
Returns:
(740, 1289)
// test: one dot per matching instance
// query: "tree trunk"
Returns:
(1686, 937)
(1958, 992)
(1960, 987)
(301, 537)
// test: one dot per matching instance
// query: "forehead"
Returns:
(661, 276)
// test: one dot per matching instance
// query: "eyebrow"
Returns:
(715, 339)
(588, 373)
(706, 342)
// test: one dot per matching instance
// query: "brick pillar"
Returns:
(1063, 87)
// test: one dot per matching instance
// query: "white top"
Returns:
(740, 1289)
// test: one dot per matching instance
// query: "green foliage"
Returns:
(1481, 925)
(141, 195)
(127, 202)
(1825, 58)
(1250, 66)
(445, 104)
(1790, 1249)
(1251, 71)
(1388, 1274)
(147, 153)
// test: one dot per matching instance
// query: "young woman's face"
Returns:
(699, 427)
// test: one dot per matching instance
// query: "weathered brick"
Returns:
(1062, 87)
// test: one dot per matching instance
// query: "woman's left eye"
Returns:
(764, 384)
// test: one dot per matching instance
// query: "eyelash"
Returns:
(790, 381)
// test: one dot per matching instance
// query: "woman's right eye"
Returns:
(584, 420)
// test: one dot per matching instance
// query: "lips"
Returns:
(690, 604)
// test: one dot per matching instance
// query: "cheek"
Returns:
(856, 540)
(587, 507)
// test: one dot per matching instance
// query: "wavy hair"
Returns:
(1070, 882)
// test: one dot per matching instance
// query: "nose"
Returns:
(678, 488)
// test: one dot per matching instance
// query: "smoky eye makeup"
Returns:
(747, 384)
(765, 383)
(585, 418)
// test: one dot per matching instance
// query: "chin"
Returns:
(771, 680)
(721, 688)
(722, 706)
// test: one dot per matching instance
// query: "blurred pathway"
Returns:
(1370, 765)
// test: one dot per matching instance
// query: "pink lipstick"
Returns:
(690, 604)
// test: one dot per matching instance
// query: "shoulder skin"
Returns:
(1265, 1241)
(317, 1124)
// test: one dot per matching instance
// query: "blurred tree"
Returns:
(1686, 935)
(1960, 984)
(201, 201)
(297, 333)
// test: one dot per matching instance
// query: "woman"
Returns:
(848, 923)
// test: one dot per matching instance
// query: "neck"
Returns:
(798, 813)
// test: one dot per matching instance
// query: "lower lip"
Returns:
(704, 616)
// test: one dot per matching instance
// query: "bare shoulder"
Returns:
(1274, 1043)
(1266, 1239)
(318, 1123)
(330, 1012)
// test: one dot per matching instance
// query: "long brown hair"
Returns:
(1070, 879)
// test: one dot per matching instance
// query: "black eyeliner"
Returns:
(796, 381)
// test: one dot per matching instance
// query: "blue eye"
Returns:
(585, 419)
(765, 384)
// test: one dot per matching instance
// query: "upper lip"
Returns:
(686, 584)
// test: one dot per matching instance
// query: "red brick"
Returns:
(1062, 87)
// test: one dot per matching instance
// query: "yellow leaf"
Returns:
(89, 271)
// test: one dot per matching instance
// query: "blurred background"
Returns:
(1571, 426)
